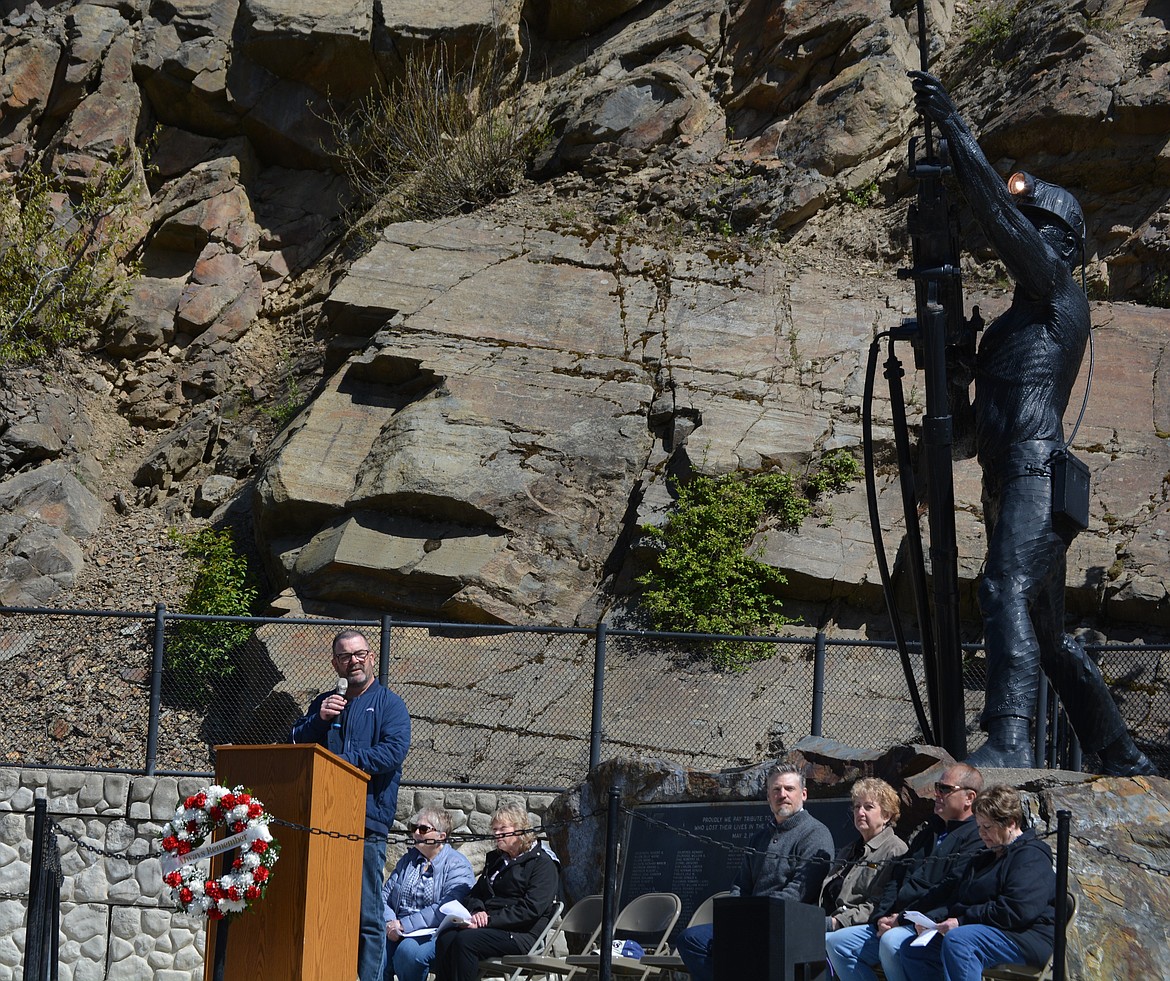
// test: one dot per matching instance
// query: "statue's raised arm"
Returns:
(1036, 255)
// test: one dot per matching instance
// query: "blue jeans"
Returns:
(853, 952)
(694, 947)
(372, 928)
(960, 954)
(409, 959)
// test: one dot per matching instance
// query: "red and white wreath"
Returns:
(186, 840)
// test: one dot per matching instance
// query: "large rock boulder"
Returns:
(44, 512)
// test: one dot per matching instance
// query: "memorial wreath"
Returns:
(186, 840)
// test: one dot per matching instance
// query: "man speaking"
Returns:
(366, 725)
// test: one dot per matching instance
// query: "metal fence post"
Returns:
(1040, 738)
(818, 692)
(384, 650)
(156, 673)
(44, 898)
(598, 697)
(1059, 946)
(609, 887)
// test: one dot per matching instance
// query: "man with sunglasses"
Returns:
(367, 725)
(931, 868)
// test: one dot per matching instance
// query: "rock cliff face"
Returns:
(689, 281)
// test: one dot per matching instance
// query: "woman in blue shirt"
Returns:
(430, 874)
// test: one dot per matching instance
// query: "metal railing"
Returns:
(490, 705)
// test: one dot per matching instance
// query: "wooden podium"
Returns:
(306, 926)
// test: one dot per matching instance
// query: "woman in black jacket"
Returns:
(1003, 911)
(510, 903)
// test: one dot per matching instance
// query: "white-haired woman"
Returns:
(510, 903)
(430, 874)
(863, 867)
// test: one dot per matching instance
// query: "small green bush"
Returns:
(199, 653)
(993, 24)
(1159, 292)
(863, 197)
(704, 581)
(440, 139)
(61, 254)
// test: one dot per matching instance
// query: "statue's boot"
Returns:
(1009, 744)
(1122, 758)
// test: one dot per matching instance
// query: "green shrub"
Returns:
(61, 250)
(704, 581)
(863, 197)
(837, 471)
(440, 139)
(199, 653)
(993, 24)
(1159, 291)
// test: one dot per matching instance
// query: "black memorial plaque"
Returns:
(656, 857)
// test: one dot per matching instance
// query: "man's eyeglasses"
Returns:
(351, 656)
(945, 789)
(422, 829)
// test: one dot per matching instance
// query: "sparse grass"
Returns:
(443, 138)
(1159, 294)
(289, 399)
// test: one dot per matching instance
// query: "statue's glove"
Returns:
(930, 98)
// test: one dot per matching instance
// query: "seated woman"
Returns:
(1003, 910)
(511, 902)
(427, 876)
(862, 868)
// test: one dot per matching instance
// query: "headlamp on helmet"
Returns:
(1044, 202)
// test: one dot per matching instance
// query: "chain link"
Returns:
(18, 897)
(97, 849)
(1124, 859)
(403, 838)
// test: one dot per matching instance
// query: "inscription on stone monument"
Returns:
(659, 854)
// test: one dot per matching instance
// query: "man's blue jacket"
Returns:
(374, 736)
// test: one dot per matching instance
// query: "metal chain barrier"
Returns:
(97, 849)
(403, 838)
(901, 860)
(1124, 859)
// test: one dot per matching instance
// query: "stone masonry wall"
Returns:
(117, 920)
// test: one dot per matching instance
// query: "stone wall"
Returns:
(117, 920)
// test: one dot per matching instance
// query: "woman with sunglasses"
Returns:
(427, 876)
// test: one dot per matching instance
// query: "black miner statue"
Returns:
(1026, 366)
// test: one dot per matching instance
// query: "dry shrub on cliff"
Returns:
(442, 138)
(62, 249)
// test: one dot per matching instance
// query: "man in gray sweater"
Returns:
(788, 859)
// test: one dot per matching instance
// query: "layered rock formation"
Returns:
(689, 282)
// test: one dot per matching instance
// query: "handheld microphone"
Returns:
(342, 688)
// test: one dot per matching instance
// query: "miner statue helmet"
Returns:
(1048, 203)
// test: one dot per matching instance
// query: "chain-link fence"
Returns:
(489, 705)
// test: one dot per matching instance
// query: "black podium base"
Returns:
(758, 938)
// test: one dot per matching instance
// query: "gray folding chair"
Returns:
(670, 961)
(494, 967)
(651, 916)
(583, 919)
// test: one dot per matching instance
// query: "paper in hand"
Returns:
(931, 928)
